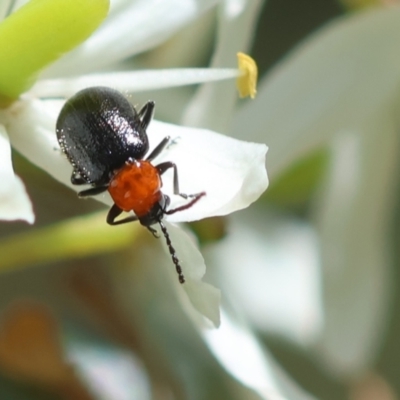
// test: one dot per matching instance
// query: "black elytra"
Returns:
(99, 130)
(105, 140)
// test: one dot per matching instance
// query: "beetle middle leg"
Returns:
(164, 166)
(158, 149)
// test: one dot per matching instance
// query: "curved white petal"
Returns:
(152, 267)
(231, 172)
(344, 79)
(239, 351)
(145, 295)
(329, 83)
(110, 372)
(204, 297)
(132, 27)
(14, 201)
(271, 264)
(131, 81)
(355, 219)
(31, 127)
(6, 7)
(213, 105)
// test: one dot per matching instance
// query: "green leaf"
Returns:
(38, 34)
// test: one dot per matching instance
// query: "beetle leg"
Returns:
(92, 191)
(196, 197)
(164, 166)
(146, 114)
(158, 149)
(161, 168)
(114, 212)
(153, 232)
(173, 142)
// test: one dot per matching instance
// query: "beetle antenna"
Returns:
(172, 252)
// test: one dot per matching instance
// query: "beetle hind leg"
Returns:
(77, 179)
(158, 149)
(146, 114)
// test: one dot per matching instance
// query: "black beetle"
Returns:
(105, 140)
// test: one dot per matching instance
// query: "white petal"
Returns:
(356, 221)
(41, 146)
(130, 28)
(270, 267)
(213, 105)
(230, 171)
(344, 79)
(241, 354)
(152, 266)
(31, 126)
(6, 7)
(331, 82)
(204, 297)
(14, 201)
(109, 372)
(178, 51)
(145, 295)
(131, 81)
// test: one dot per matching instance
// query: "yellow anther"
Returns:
(246, 83)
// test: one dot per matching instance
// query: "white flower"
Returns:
(336, 90)
(231, 172)
(270, 262)
(339, 90)
(13, 198)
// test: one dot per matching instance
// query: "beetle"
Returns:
(104, 138)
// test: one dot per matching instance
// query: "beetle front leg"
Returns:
(114, 212)
(92, 191)
(161, 168)
(158, 149)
